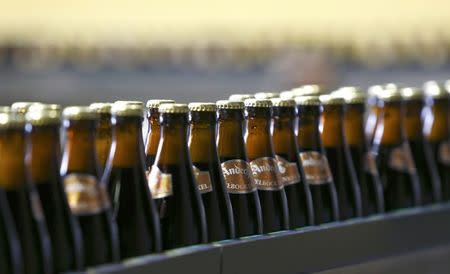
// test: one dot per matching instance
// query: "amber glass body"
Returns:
(99, 230)
(10, 253)
(401, 187)
(258, 144)
(64, 229)
(430, 186)
(230, 145)
(133, 207)
(285, 145)
(372, 199)
(324, 196)
(153, 136)
(204, 156)
(104, 143)
(437, 134)
(182, 215)
(25, 203)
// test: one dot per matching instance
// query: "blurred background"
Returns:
(76, 52)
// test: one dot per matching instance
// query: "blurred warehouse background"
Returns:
(75, 52)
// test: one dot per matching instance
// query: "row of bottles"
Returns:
(248, 165)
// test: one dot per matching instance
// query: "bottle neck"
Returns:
(79, 149)
(202, 137)
(104, 139)
(413, 122)
(45, 153)
(283, 137)
(437, 123)
(154, 132)
(308, 136)
(129, 144)
(172, 148)
(12, 160)
(389, 130)
(354, 125)
(333, 126)
(230, 139)
(257, 138)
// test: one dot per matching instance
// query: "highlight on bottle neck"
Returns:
(390, 130)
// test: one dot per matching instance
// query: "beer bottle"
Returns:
(363, 159)
(172, 182)
(286, 153)
(22, 197)
(338, 153)
(43, 123)
(139, 232)
(264, 166)
(154, 130)
(236, 170)
(266, 95)
(10, 252)
(314, 161)
(437, 131)
(430, 186)
(104, 136)
(394, 160)
(207, 171)
(240, 97)
(87, 196)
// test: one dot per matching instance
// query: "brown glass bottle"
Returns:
(430, 186)
(258, 143)
(286, 152)
(339, 157)
(10, 252)
(22, 197)
(43, 123)
(104, 136)
(236, 170)
(154, 130)
(437, 131)
(139, 232)
(87, 196)
(314, 161)
(209, 177)
(364, 163)
(394, 160)
(173, 185)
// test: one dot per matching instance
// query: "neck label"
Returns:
(316, 168)
(203, 179)
(444, 152)
(160, 183)
(238, 176)
(370, 164)
(401, 159)
(288, 171)
(84, 195)
(266, 174)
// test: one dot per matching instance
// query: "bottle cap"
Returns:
(173, 108)
(229, 104)
(351, 95)
(258, 103)
(41, 106)
(330, 99)
(435, 90)
(283, 102)
(127, 108)
(266, 95)
(43, 116)
(10, 119)
(390, 95)
(307, 90)
(22, 107)
(103, 108)
(288, 94)
(412, 93)
(240, 97)
(202, 107)
(307, 101)
(79, 113)
(154, 103)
